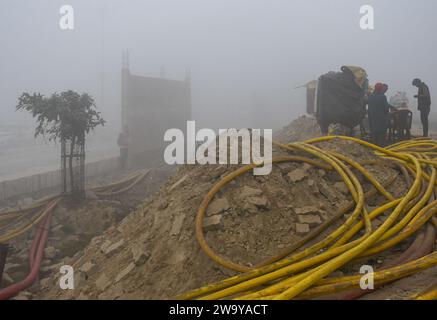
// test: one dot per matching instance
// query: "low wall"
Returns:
(51, 179)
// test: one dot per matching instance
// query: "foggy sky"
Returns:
(245, 56)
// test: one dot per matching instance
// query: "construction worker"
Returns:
(123, 144)
(378, 109)
(423, 103)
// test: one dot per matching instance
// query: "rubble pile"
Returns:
(301, 129)
(153, 253)
(72, 228)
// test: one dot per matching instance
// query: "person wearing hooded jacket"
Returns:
(378, 109)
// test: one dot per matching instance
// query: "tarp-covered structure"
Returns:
(340, 98)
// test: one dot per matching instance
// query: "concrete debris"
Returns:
(177, 224)
(249, 220)
(108, 249)
(300, 129)
(105, 245)
(307, 210)
(125, 272)
(76, 226)
(140, 255)
(212, 223)
(87, 267)
(327, 191)
(178, 183)
(302, 228)
(249, 192)
(218, 206)
(309, 219)
(297, 175)
(259, 202)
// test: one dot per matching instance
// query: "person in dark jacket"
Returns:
(123, 144)
(423, 103)
(378, 109)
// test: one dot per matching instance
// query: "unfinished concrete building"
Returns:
(150, 106)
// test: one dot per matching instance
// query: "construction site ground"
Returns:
(142, 244)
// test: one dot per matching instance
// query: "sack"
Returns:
(400, 100)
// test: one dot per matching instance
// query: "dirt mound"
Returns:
(153, 253)
(300, 129)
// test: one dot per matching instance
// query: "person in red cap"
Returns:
(378, 87)
(378, 109)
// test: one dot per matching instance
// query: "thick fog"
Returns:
(245, 56)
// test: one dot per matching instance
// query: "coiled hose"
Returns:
(298, 273)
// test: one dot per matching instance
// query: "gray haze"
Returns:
(245, 56)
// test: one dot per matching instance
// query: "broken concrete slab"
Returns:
(212, 223)
(87, 267)
(327, 191)
(260, 202)
(297, 175)
(249, 192)
(218, 206)
(177, 224)
(309, 219)
(307, 210)
(125, 272)
(105, 245)
(140, 255)
(178, 183)
(302, 228)
(113, 247)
